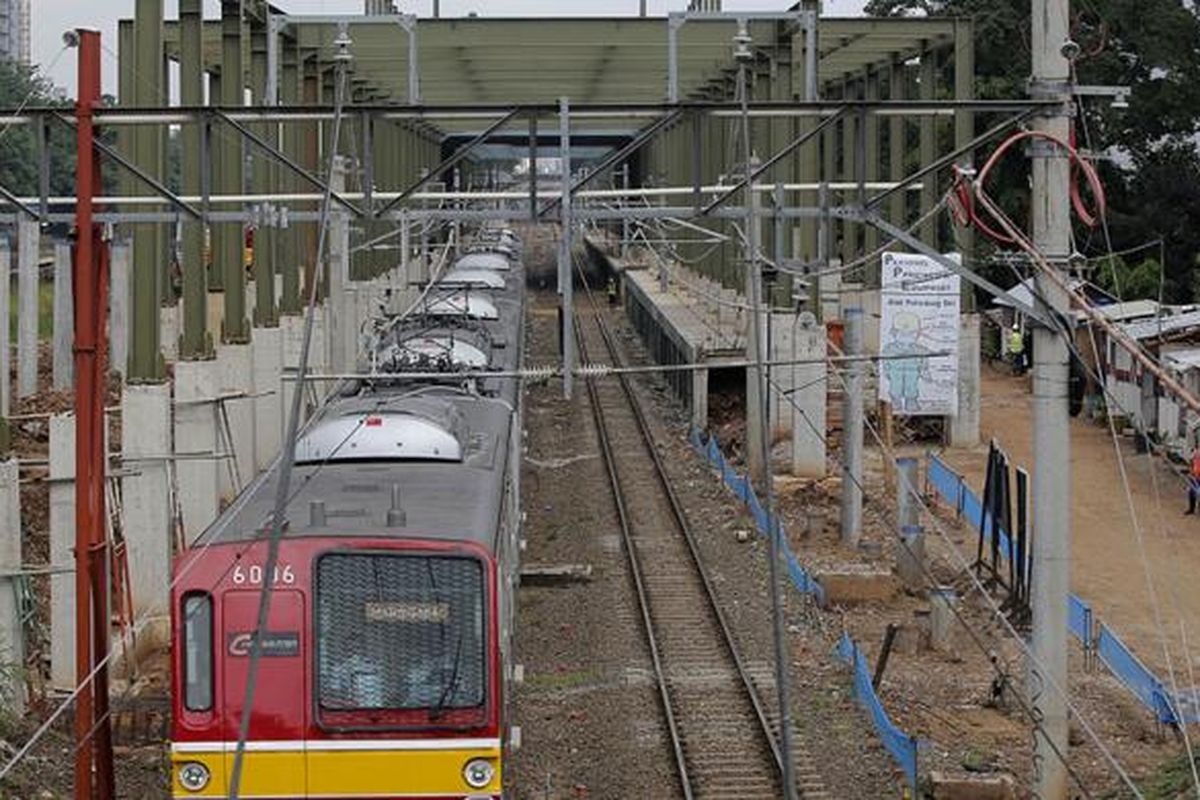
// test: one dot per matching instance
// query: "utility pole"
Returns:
(758, 404)
(566, 275)
(1051, 436)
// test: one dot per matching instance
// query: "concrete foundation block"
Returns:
(146, 498)
(197, 444)
(845, 587)
(266, 346)
(236, 370)
(119, 300)
(64, 319)
(12, 638)
(216, 313)
(974, 787)
(700, 399)
(28, 238)
(169, 321)
(62, 551)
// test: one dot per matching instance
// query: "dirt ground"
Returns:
(1123, 579)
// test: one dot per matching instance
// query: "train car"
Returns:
(386, 658)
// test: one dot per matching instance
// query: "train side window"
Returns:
(198, 652)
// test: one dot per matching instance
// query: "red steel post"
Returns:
(90, 605)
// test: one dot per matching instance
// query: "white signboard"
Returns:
(920, 309)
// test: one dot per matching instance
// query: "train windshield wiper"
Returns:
(451, 685)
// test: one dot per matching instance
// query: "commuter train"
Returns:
(385, 663)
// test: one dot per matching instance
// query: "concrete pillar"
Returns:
(964, 427)
(168, 331)
(64, 322)
(236, 370)
(910, 554)
(782, 328)
(145, 494)
(62, 550)
(12, 639)
(964, 129)
(700, 399)
(5, 325)
(291, 328)
(196, 442)
(808, 398)
(118, 306)
(266, 346)
(852, 432)
(942, 622)
(28, 236)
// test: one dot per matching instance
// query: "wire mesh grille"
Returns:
(400, 632)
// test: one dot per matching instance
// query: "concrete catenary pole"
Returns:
(565, 273)
(1051, 438)
(852, 431)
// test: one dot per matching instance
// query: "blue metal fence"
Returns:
(901, 746)
(1079, 621)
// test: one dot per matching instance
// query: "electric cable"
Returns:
(287, 459)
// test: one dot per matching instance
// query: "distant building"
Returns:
(14, 31)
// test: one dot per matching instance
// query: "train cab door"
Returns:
(274, 764)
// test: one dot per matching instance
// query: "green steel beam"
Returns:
(964, 131)
(195, 342)
(870, 233)
(229, 238)
(928, 146)
(898, 143)
(265, 175)
(291, 78)
(146, 61)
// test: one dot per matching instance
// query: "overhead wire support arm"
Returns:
(139, 173)
(953, 156)
(796, 143)
(286, 160)
(644, 136)
(450, 162)
(20, 204)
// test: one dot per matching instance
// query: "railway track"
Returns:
(713, 701)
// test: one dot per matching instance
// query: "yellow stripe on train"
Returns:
(364, 768)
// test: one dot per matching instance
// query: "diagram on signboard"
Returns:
(918, 370)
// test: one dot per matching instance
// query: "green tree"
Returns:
(22, 86)
(1148, 45)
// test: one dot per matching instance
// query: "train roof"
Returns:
(457, 500)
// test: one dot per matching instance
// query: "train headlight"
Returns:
(479, 773)
(194, 776)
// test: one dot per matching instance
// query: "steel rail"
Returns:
(635, 569)
(727, 639)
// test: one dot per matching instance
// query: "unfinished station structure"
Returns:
(854, 127)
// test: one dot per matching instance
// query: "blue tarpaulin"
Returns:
(901, 746)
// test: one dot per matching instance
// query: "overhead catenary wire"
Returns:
(288, 457)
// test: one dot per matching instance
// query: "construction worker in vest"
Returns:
(1016, 349)
(1194, 479)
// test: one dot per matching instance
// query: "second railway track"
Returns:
(713, 701)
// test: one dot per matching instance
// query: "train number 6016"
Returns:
(253, 575)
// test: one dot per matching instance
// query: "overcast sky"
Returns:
(52, 17)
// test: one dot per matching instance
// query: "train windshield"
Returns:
(399, 633)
